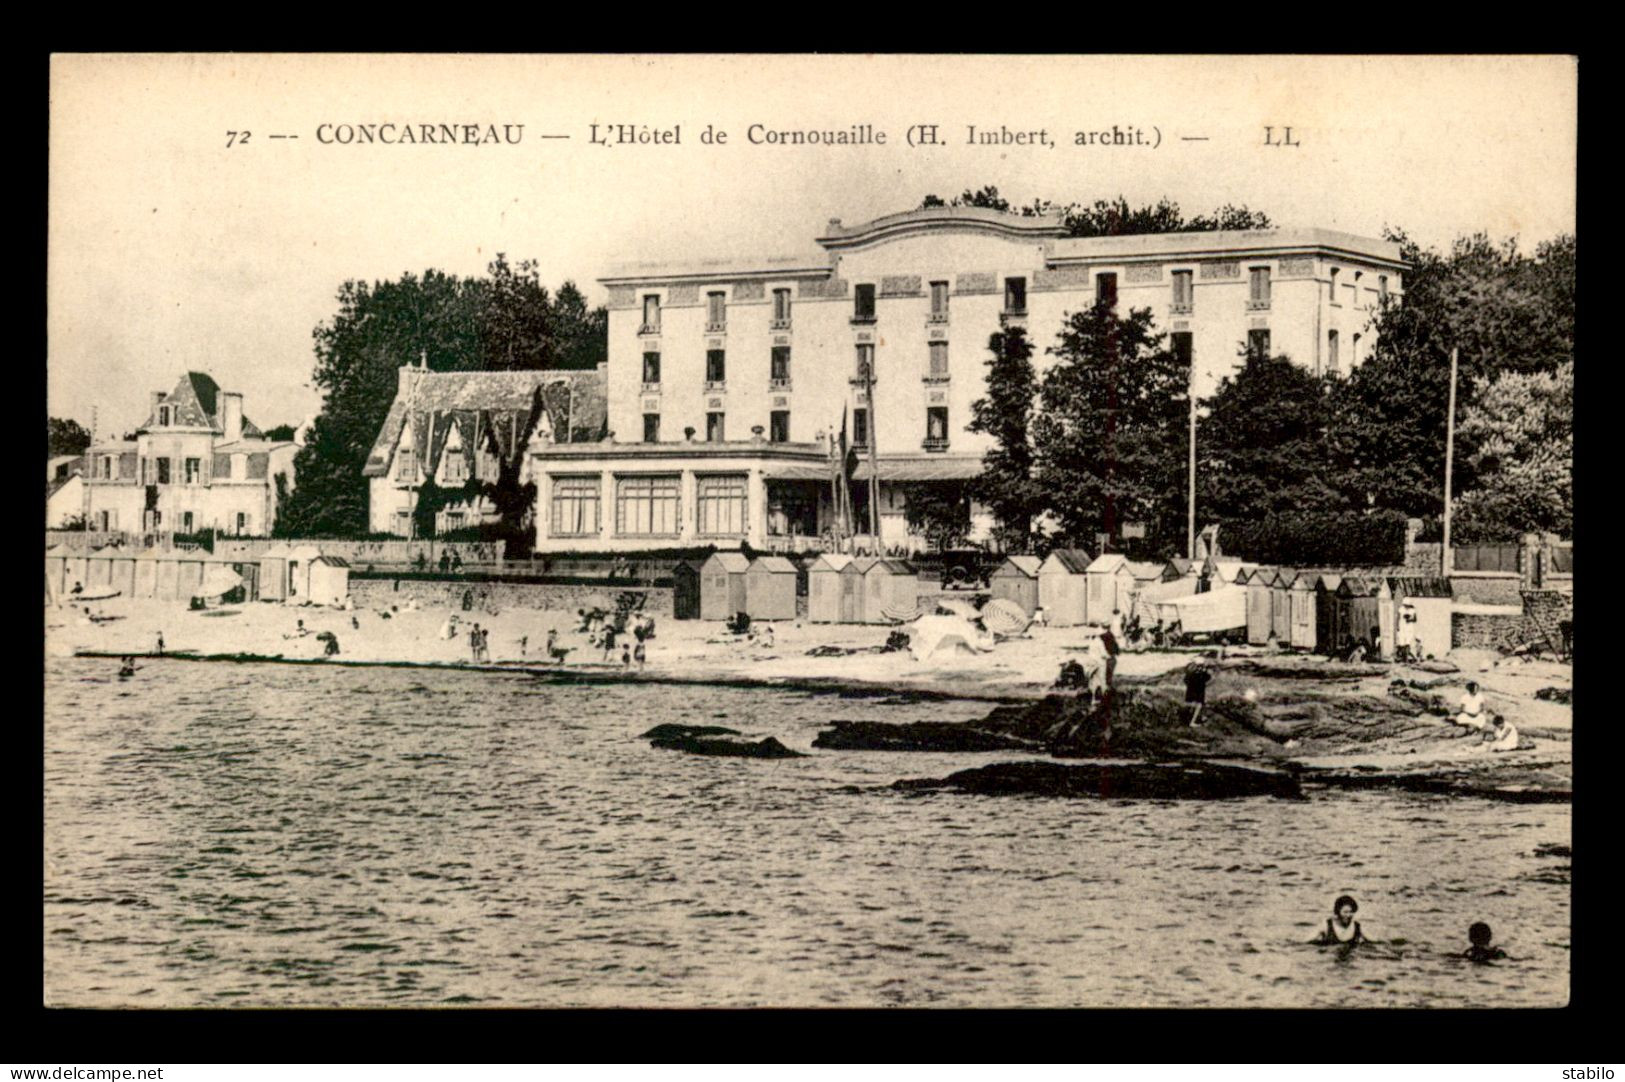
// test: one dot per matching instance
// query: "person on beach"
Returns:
(474, 643)
(524, 641)
(1502, 736)
(78, 588)
(1040, 618)
(639, 655)
(448, 630)
(160, 644)
(300, 631)
(1472, 714)
(331, 647)
(456, 562)
(1111, 642)
(1196, 681)
(609, 641)
(1341, 927)
(1479, 935)
(355, 623)
(445, 562)
(626, 657)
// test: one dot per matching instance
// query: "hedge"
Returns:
(1348, 539)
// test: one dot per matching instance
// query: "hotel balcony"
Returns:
(716, 327)
(779, 325)
(1182, 308)
(935, 377)
(937, 318)
(779, 384)
(649, 328)
(1258, 306)
(713, 386)
(935, 443)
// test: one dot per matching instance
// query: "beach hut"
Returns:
(74, 569)
(891, 590)
(1016, 579)
(1181, 568)
(722, 585)
(1146, 574)
(1223, 571)
(1063, 587)
(1260, 585)
(189, 576)
(329, 580)
(274, 572)
(249, 572)
(1111, 582)
(146, 574)
(770, 589)
(1281, 607)
(1359, 605)
(824, 585)
(855, 573)
(685, 591)
(1331, 618)
(99, 568)
(300, 559)
(1429, 601)
(121, 571)
(56, 563)
(1304, 619)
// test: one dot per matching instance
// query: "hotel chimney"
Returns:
(231, 416)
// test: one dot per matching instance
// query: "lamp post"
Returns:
(1445, 560)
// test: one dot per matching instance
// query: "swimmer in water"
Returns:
(1481, 951)
(1341, 927)
(127, 668)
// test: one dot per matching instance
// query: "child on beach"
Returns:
(639, 655)
(626, 657)
(1479, 935)
(160, 643)
(1341, 927)
(1196, 681)
(1503, 737)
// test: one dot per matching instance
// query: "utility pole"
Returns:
(1445, 560)
(1190, 504)
(874, 455)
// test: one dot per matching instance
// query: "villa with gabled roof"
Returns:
(196, 463)
(454, 428)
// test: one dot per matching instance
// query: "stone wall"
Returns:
(381, 593)
(1487, 590)
(1487, 631)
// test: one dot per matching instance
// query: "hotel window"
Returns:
(454, 520)
(715, 429)
(1106, 289)
(1258, 344)
(647, 506)
(242, 522)
(939, 360)
(651, 312)
(194, 470)
(186, 522)
(109, 520)
(1180, 342)
(1184, 296)
(860, 428)
(866, 362)
(779, 370)
(651, 368)
(651, 428)
(720, 504)
(778, 429)
(1015, 295)
(716, 311)
(403, 523)
(405, 467)
(220, 468)
(863, 303)
(936, 427)
(575, 506)
(781, 308)
(1258, 287)
(1332, 292)
(163, 471)
(939, 301)
(716, 366)
(1331, 351)
(107, 467)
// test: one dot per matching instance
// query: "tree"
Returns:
(938, 512)
(1263, 445)
(581, 333)
(1111, 218)
(65, 437)
(1110, 439)
(1005, 413)
(1522, 430)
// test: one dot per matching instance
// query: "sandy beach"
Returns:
(1017, 670)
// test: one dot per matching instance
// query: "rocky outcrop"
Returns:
(717, 740)
(1114, 781)
(917, 736)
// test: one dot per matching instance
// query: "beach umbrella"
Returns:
(948, 634)
(1005, 617)
(901, 616)
(220, 579)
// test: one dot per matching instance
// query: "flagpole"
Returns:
(1445, 560)
(874, 459)
(1190, 512)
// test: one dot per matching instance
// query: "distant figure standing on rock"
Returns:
(1196, 680)
(445, 562)
(160, 644)
(1341, 927)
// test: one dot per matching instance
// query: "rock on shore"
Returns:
(716, 740)
(1109, 781)
(918, 736)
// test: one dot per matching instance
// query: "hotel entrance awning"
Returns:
(923, 468)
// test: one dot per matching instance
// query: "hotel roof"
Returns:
(1219, 243)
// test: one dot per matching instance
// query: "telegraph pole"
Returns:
(874, 459)
(1445, 560)
(1190, 504)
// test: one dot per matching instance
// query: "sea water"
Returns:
(268, 835)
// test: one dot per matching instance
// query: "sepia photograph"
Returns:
(809, 531)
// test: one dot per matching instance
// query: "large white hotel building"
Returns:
(725, 380)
